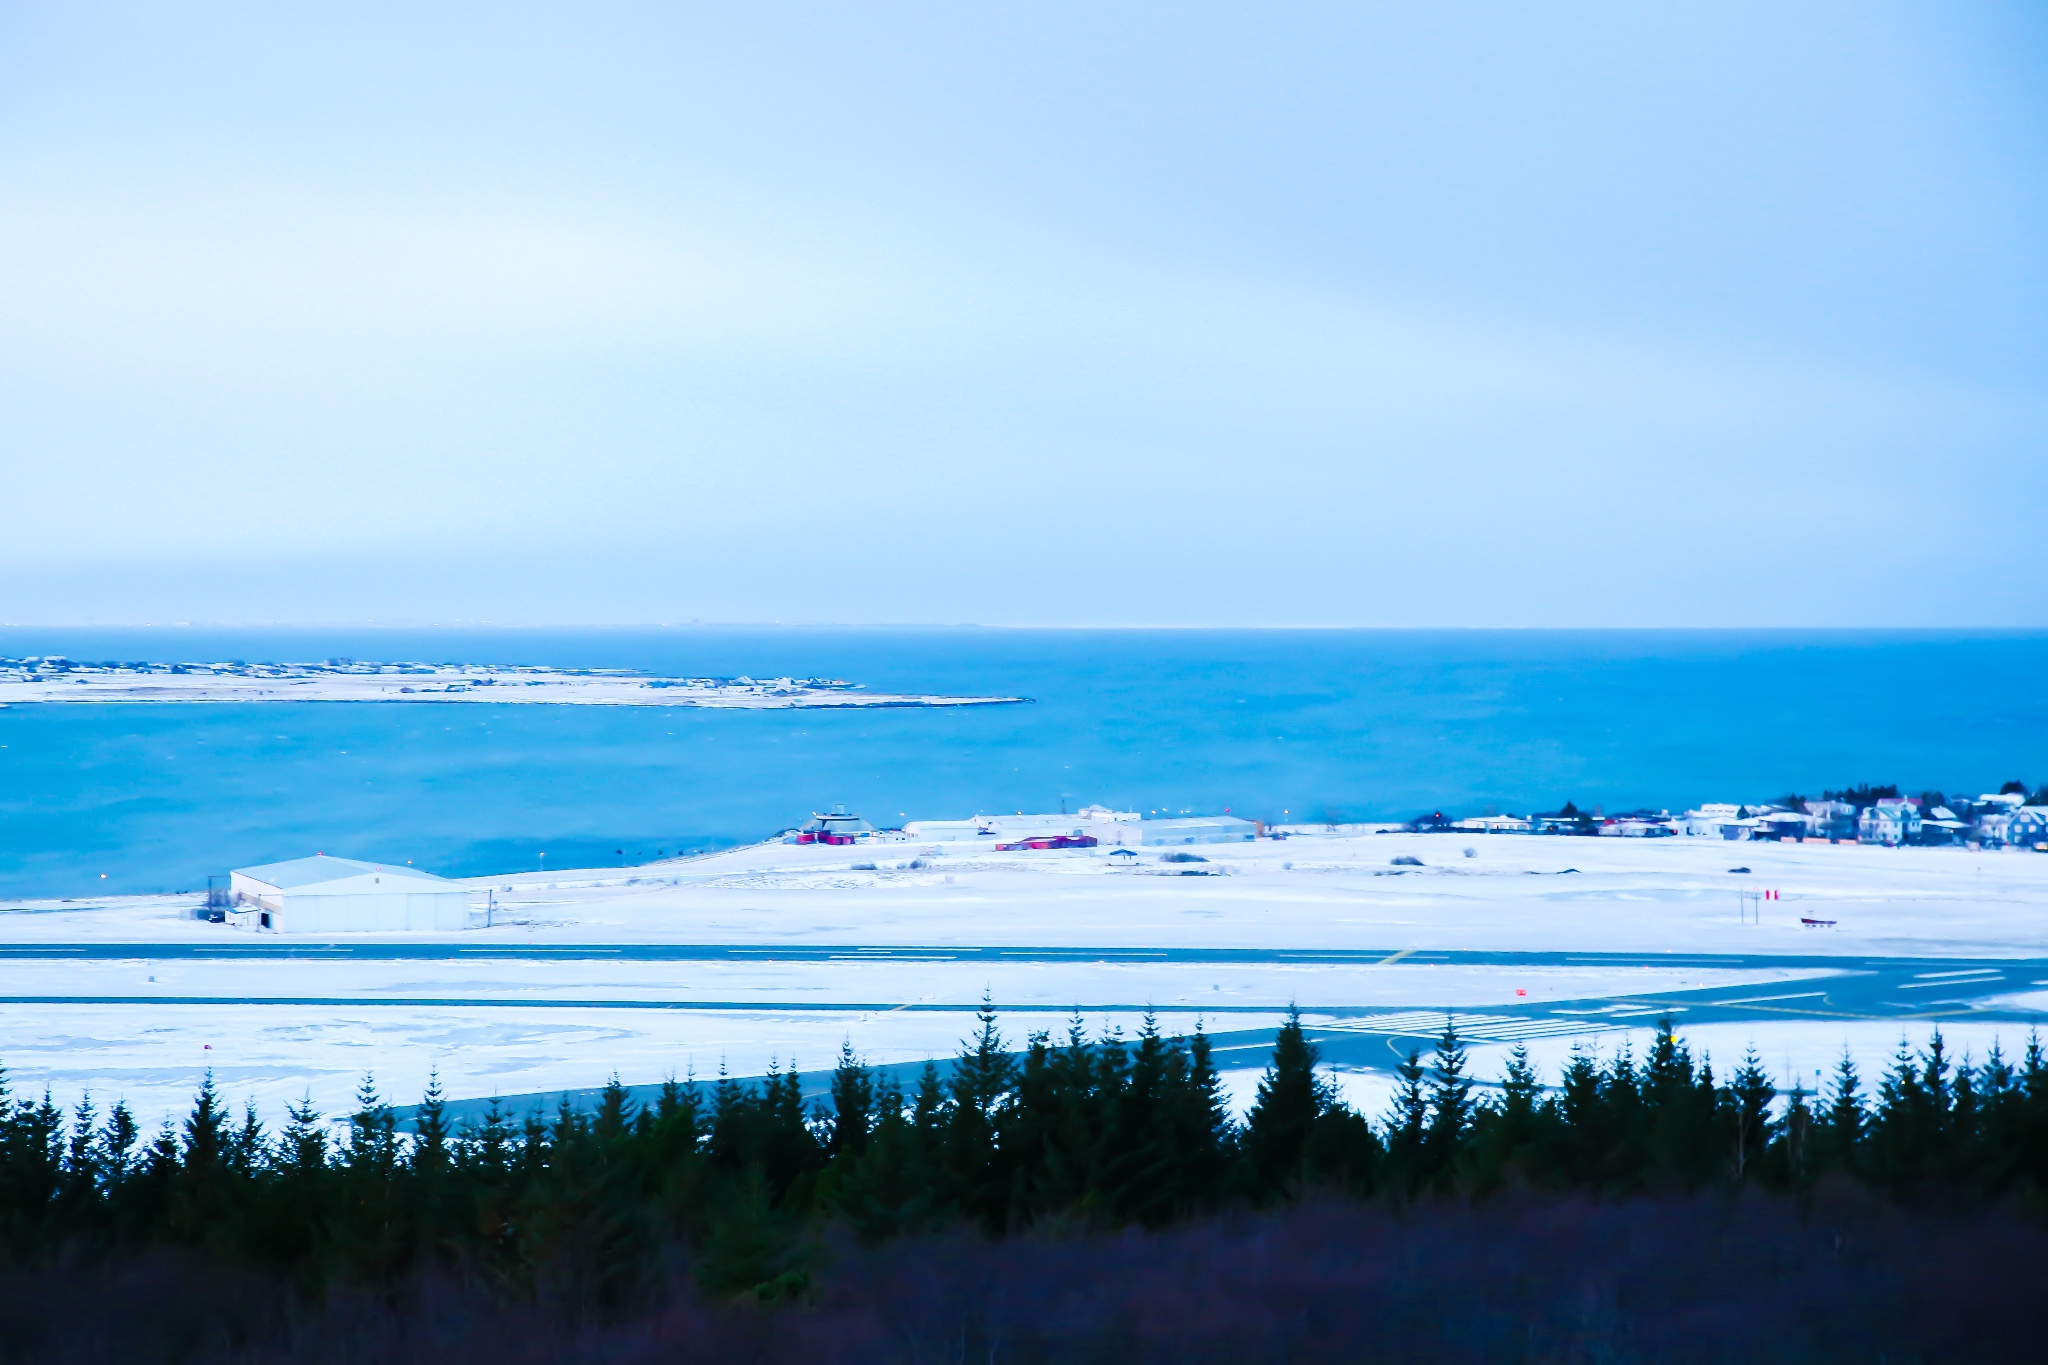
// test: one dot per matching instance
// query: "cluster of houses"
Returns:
(1994, 820)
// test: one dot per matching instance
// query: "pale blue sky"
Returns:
(1089, 314)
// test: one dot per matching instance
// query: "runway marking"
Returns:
(1486, 1028)
(1951, 984)
(1761, 999)
(1974, 971)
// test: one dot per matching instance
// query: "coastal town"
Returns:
(2007, 818)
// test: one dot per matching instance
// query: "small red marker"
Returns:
(1520, 991)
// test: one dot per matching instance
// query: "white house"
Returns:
(1892, 821)
(1492, 824)
(319, 895)
(1717, 820)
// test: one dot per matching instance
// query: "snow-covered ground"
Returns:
(1513, 893)
(499, 1023)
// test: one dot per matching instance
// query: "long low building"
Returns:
(320, 895)
(1198, 829)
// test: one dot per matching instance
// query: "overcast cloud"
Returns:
(1082, 314)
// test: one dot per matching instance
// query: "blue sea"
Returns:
(1315, 725)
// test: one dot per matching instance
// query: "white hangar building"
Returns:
(321, 895)
(1198, 829)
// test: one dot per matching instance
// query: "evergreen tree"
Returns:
(1581, 1106)
(981, 1078)
(203, 1186)
(853, 1105)
(117, 1142)
(84, 1179)
(205, 1131)
(1140, 1141)
(1508, 1135)
(1407, 1123)
(1290, 1098)
(1204, 1138)
(1747, 1104)
(2029, 1153)
(370, 1227)
(1450, 1107)
(1910, 1133)
(302, 1147)
(790, 1154)
(1793, 1150)
(430, 1145)
(1999, 1138)
(247, 1147)
(1838, 1130)
(1680, 1144)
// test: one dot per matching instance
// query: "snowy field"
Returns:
(143, 1024)
(1308, 892)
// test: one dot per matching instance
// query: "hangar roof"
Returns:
(303, 872)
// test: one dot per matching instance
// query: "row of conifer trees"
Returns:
(1096, 1132)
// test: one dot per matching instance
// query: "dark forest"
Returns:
(1089, 1198)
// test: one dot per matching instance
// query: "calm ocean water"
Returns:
(1316, 724)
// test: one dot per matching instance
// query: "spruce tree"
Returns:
(117, 1143)
(430, 1128)
(1581, 1106)
(1137, 1176)
(853, 1104)
(302, 1147)
(84, 1175)
(1506, 1132)
(2030, 1155)
(1450, 1107)
(981, 1078)
(202, 1189)
(1838, 1130)
(1681, 1143)
(247, 1146)
(1407, 1123)
(205, 1131)
(1290, 1098)
(1205, 1138)
(1747, 1104)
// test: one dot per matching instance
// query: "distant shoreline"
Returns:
(57, 681)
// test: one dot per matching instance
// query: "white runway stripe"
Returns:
(1486, 1028)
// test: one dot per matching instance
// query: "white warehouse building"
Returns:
(320, 895)
(1198, 829)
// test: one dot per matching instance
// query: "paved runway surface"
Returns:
(1906, 990)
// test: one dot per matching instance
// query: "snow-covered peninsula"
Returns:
(53, 679)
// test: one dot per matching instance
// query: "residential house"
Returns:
(1717, 820)
(1894, 820)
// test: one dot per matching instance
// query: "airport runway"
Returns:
(1906, 990)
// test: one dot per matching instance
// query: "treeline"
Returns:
(591, 1209)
